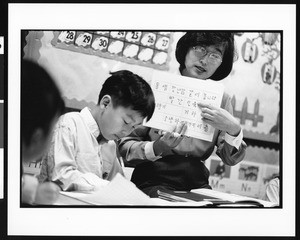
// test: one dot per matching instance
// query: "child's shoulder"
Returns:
(69, 119)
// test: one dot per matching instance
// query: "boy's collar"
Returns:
(90, 121)
(101, 139)
(93, 126)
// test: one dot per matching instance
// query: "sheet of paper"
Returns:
(176, 100)
(119, 191)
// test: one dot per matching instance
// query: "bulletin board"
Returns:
(149, 49)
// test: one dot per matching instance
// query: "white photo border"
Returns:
(152, 221)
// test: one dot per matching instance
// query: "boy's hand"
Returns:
(29, 188)
(219, 118)
(47, 193)
(169, 139)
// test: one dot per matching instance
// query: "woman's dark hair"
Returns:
(129, 90)
(207, 38)
(41, 101)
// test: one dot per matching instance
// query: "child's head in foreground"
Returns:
(41, 105)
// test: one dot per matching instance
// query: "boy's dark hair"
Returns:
(40, 100)
(206, 38)
(129, 90)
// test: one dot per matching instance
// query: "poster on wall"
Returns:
(246, 178)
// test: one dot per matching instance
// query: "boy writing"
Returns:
(81, 156)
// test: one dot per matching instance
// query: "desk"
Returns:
(122, 192)
(66, 200)
(71, 201)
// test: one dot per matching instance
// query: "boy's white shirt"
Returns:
(81, 168)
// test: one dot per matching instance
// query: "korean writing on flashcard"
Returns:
(177, 99)
(149, 49)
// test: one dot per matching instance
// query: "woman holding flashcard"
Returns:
(170, 160)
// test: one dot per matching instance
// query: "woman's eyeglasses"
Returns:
(213, 58)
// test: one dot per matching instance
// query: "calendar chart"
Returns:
(149, 49)
(176, 100)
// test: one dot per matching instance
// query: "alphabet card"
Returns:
(176, 99)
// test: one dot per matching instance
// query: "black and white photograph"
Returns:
(153, 119)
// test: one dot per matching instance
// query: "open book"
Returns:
(213, 198)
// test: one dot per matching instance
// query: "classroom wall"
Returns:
(253, 83)
(248, 84)
(80, 75)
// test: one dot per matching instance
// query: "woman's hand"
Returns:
(169, 139)
(219, 118)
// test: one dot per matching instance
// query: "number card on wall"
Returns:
(176, 100)
(150, 49)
